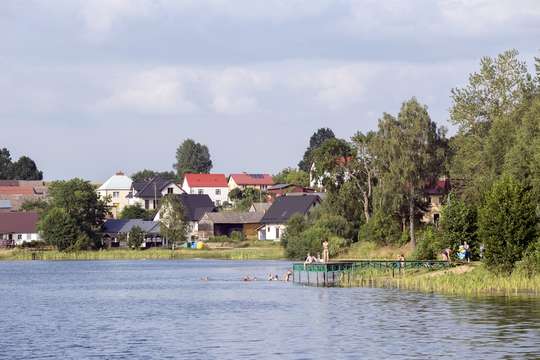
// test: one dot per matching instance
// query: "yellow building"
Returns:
(116, 189)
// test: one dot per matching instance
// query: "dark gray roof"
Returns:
(151, 188)
(114, 226)
(196, 205)
(286, 206)
(233, 217)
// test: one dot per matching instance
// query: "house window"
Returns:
(277, 232)
(436, 218)
(19, 237)
(170, 190)
(201, 191)
(218, 203)
(218, 191)
(146, 204)
(155, 203)
(116, 194)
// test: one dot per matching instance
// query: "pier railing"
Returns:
(330, 274)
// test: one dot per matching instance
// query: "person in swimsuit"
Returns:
(325, 254)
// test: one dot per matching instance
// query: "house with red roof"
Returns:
(213, 185)
(256, 181)
(435, 193)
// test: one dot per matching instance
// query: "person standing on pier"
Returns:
(325, 253)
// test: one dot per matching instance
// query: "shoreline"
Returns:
(247, 253)
(463, 280)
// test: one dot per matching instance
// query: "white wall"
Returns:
(25, 238)
(218, 199)
(273, 232)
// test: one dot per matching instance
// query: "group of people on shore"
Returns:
(463, 253)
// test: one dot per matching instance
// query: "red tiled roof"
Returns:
(206, 180)
(18, 222)
(252, 179)
(440, 187)
(16, 190)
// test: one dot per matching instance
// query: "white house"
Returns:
(116, 188)
(283, 208)
(18, 227)
(213, 185)
(148, 194)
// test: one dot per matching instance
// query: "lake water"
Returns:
(162, 310)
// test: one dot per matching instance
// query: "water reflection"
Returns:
(161, 309)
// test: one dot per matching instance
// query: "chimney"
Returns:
(120, 172)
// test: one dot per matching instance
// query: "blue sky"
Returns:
(94, 86)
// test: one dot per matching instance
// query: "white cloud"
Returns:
(101, 15)
(157, 91)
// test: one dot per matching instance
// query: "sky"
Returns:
(90, 87)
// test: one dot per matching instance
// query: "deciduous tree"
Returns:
(316, 140)
(192, 157)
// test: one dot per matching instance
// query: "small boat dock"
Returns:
(334, 272)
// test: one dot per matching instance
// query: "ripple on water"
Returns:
(160, 310)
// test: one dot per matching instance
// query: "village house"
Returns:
(213, 185)
(274, 221)
(226, 222)
(195, 206)
(435, 196)
(116, 190)
(148, 194)
(256, 181)
(115, 232)
(281, 189)
(17, 228)
(14, 193)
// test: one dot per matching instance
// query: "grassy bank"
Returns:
(245, 253)
(461, 280)
(370, 250)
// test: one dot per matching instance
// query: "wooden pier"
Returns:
(332, 273)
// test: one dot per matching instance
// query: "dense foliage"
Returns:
(506, 224)
(172, 223)
(146, 175)
(243, 199)
(22, 169)
(316, 140)
(73, 215)
(135, 237)
(377, 181)
(192, 157)
(292, 176)
(136, 212)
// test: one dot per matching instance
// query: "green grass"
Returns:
(246, 253)
(477, 281)
(370, 250)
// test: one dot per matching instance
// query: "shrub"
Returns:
(530, 263)
(59, 229)
(458, 224)
(135, 237)
(381, 228)
(428, 246)
(237, 236)
(308, 241)
(506, 224)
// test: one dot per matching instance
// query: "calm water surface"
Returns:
(162, 310)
